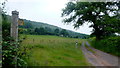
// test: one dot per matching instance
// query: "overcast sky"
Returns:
(47, 11)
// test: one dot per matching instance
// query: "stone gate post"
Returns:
(14, 25)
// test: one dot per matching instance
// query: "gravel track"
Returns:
(99, 58)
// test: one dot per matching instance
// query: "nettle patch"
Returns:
(10, 53)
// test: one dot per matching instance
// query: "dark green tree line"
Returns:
(64, 33)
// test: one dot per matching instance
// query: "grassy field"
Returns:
(43, 50)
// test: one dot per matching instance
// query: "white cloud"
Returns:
(25, 1)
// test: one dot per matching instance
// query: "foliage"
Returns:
(5, 27)
(110, 45)
(103, 16)
(9, 54)
(26, 25)
(49, 31)
(57, 31)
(9, 49)
(64, 33)
(40, 31)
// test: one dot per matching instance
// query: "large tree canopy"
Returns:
(103, 16)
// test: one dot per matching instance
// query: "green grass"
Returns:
(53, 51)
(89, 49)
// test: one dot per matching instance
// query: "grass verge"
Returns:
(110, 45)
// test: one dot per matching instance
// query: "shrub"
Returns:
(9, 49)
(110, 45)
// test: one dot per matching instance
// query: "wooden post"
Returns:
(14, 25)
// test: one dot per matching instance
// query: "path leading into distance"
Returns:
(97, 57)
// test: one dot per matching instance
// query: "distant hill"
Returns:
(41, 24)
(50, 28)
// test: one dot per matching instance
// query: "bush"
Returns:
(9, 49)
(110, 45)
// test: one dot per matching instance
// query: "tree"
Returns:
(96, 13)
(48, 29)
(36, 30)
(64, 33)
(56, 31)
(26, 25)
(40, 31)
(5, 27)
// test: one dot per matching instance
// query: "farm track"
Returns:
(99, 58)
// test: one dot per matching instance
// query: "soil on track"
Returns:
(97, 57)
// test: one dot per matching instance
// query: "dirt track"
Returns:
(97, 57)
